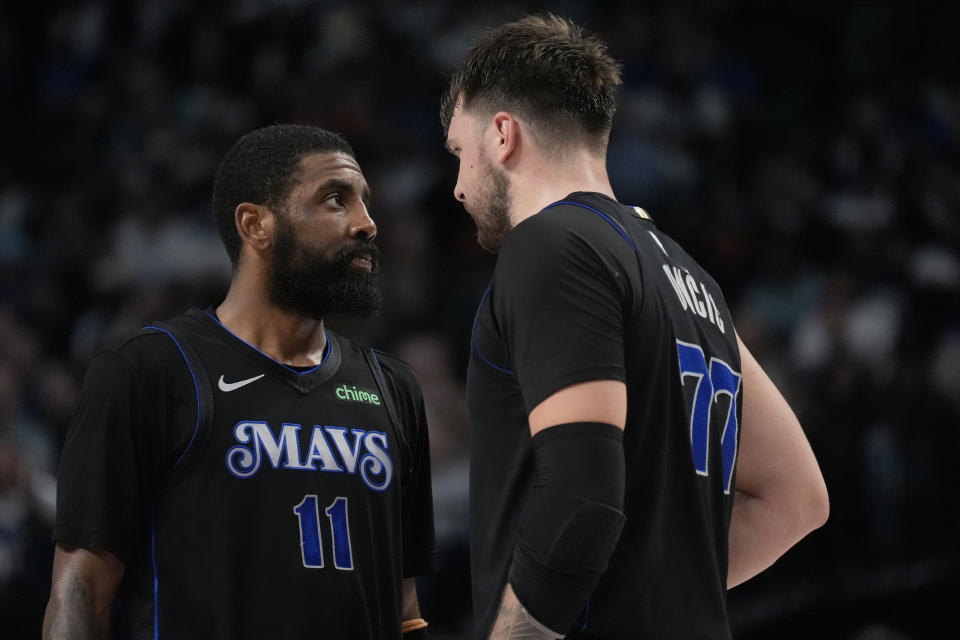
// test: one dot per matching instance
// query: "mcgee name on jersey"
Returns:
(368, 452)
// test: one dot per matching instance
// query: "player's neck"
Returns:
(288, 338)
(547, 182)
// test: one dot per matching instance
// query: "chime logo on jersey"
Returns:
(357, 451)
(350, 393)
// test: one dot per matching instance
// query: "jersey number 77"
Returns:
(713, 381)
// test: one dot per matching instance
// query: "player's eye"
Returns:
(337, 199)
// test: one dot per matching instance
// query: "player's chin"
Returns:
(367, 306)
(359, 294)
(490, 239)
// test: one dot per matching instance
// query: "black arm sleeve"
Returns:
(419, 545)
(559, 300)
(571, 522)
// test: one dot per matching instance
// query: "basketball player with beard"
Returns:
(630, 460)
(241, 471)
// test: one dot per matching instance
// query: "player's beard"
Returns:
(491, 214)
(305, 282)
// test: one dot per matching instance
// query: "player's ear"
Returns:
(507, 133)
(255, 224)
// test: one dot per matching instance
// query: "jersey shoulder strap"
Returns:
(178, 329)
(389, 402)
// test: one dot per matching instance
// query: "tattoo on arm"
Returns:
(72, 615)
(515, 623)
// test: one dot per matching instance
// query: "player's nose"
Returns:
(458, 193)
(362, 225)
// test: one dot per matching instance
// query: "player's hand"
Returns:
(515, 623)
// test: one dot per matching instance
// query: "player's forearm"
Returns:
(72, 614)
(514, 623)
(412, 626)
(762, 530)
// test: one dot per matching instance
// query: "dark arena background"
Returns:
(806, 152)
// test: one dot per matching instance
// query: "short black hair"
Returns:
(547, 69)
(262, 168)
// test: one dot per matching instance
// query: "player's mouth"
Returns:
(362, 260)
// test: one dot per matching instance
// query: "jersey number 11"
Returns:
(311, 542)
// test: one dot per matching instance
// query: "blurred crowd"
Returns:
(807, 153)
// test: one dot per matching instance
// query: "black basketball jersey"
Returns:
(589, 289)
(276, 502)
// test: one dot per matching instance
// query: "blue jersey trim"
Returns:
(613, 224)
(586, 615)
(376, 361)
(196, 388)
(326, 352)
(476, 345)
(156, 575)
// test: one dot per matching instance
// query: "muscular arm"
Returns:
(601, 401)
(780, 494)
(594, 401)
(571, 374)
(82, 593)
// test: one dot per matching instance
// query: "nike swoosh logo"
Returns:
(232, 386)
